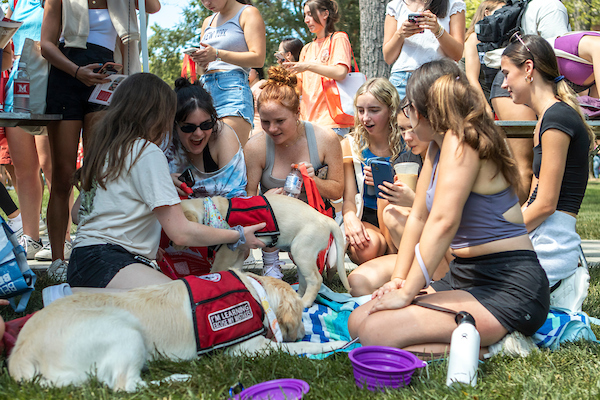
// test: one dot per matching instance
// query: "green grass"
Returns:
(568, 373)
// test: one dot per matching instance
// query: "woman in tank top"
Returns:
(286, 140)
(233, 40)
(562, 141)
(376, 136)
(465, 200)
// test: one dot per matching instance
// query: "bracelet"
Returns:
(423, 267)
(217, 55)
(241, 240)
(76, 71)
(440, 32)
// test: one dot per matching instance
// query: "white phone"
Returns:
(190, 50)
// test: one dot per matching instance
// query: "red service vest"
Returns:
(223, 311)
(253, 210)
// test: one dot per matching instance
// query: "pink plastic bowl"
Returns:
(382, 367)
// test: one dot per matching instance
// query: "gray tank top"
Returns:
(228, 36)
(268, 182)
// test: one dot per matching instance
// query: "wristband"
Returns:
(423, 267)
(217, 55)
(241, 240)
(76, 71)
(440, 32)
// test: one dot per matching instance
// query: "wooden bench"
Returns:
(524, 129)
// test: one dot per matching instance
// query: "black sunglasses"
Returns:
(191, 128)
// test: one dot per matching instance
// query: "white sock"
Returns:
(17, 220)
(55, 292)
(270, 258)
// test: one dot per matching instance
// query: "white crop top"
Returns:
(102, 31)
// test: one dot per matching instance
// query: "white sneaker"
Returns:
(45, 254)
(30, 246)
(572, 291)
(55, 292)
(42, 226)
(58, 270)
(513, 344)
(274, 271)
(16, 227)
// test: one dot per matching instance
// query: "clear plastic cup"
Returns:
(407, 173)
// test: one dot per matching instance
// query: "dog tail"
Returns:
(338, 239)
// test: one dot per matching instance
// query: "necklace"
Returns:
(298, 136)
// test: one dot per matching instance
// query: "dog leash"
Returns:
(271, 317)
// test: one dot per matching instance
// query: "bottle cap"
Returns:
(463, 317)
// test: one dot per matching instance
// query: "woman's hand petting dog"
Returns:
(252, 242)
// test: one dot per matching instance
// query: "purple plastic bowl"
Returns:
(382, 367)
(278, 389)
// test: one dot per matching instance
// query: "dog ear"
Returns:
(191, 216)
(287, 305)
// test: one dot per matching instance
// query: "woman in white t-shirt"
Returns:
(438, 31)
(127, 194)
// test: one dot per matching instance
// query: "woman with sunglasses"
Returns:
(562, 141)
(418, 31)
(205, 145)
(465, 200)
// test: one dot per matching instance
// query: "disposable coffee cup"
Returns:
(407, 173)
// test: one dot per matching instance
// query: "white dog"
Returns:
(303, 231)
(112, 335)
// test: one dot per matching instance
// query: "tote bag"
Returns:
(340, 94)
(38, 69)
(16, 278)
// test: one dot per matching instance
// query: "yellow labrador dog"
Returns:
(112, 335)
(304, 232)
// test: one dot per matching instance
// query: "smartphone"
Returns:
(382, 171)
(412, 17)
(187, 177)
(190, 50)
(110, 68)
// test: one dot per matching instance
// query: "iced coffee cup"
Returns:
(407, 173)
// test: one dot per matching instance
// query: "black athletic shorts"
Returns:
(511, 285)
(370, 216)
(69, 96)
(97, 265)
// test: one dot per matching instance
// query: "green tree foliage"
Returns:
(283, 18)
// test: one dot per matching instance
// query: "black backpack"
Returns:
(495, 30)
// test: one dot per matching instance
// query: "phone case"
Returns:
(110, 68)
(382, 171)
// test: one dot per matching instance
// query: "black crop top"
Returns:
(572, 189)
(209, 164)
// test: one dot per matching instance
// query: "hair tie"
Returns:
(559, 78)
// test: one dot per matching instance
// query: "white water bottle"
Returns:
(21, 90)
(464, 351)
(293, 183)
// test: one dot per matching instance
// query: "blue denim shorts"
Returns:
(97, 265)
(231, 94)
(399, 80)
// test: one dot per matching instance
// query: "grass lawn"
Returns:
(568, 373)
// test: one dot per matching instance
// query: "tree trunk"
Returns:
(372, 20)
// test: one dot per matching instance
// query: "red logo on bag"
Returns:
(22, 88)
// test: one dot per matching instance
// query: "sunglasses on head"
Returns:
(191, 128)
(516, 37)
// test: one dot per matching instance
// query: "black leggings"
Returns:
(6, 202)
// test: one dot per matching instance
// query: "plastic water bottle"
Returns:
(293, 183)
(464, 351)
(21, 90)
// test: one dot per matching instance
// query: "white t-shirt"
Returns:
(546, 18)
(122, 213)
(422, 47)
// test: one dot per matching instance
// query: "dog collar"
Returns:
(271, 318)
